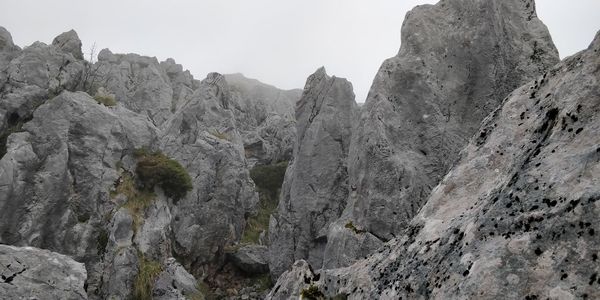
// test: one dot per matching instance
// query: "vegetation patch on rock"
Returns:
(144, 281)
(312, 293)
(155, 168)
(268, 180)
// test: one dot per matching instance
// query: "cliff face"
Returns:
(458, 60)
(265, 118)
(515, 218)
(315, 188)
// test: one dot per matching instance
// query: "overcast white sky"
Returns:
(279, 42)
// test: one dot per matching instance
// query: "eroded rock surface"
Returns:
(315, 188)
(265, 118)
(203, 137)
(516, 217)
(31, 273)
(458, 60)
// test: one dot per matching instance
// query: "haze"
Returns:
(278, 42)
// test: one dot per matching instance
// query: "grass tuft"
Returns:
(144, 281)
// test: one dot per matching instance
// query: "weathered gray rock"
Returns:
(175, 283)
(458, 60)
(315, 188)
(69, 42)
(293, 281)
(139, 83)
(31, 76)
(202, 136)
(517, 216)
(265, 118)
(271, 142)
(31, 273)
(56, 177)
(251, 259)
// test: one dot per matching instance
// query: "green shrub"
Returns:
(312, 293)
(107, 100)
(157, 169)
(144, 281)
(269, 177)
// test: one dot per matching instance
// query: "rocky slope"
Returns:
(458, 60)
(315, 188)
(31, 273)
(515, 218)
(68, 176)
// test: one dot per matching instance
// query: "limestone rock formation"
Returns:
(516, 217)
(202, 135)
(315, 188)
(31, 76)
(175, 283)
(142, 84)
(265, 118)
(458, 60)
(31, 273)
(69, 42)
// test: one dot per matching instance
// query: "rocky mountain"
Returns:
(515, 218)
(458, 60)
(73, 136)
(315, 188)
(471, 172)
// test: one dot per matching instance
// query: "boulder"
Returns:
(32, 273)
(175, 283)
(251, 259)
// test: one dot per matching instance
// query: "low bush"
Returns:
(269, 177)
(155, 168)
(312, 293)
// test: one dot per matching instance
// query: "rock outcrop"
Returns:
(142, 84)
(516, 217)
(31, 273)
(315, 188)
(68, 183)
(202, 135)
(458, 60)
(265, 118)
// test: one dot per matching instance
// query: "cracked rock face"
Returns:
(31, 273)
(203, 137)
(144, 85)
(315, 188)
(517, 216)
(265, 118)
(458, 60)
